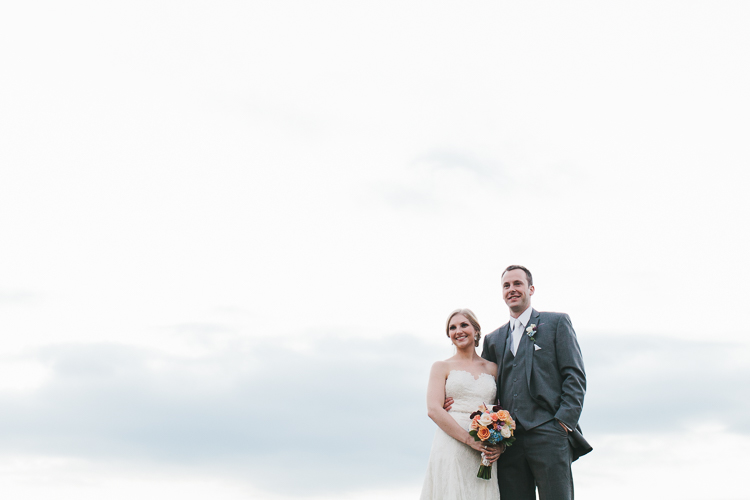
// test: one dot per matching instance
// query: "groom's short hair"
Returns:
(528, 273)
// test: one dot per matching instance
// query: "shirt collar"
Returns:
(524, 317)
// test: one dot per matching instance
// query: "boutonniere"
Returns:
(531, 331)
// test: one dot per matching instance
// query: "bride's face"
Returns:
(461, 332)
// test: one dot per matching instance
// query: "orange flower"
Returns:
(474, 425)
(503, 415)
(494, 417)
(483, 433)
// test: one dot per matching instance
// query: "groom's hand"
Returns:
(448, 403)
(564, 426)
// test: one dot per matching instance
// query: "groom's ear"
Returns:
(531, 290)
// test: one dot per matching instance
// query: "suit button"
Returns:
(514, 395)
(514, 364)
(515, 379)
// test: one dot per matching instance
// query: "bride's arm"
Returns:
(435, 400)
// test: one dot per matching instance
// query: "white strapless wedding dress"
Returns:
(452, 469)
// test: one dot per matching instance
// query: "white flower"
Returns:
(485, 419)
(505, 431)
(531, 331)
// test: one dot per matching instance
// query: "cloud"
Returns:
(438, 178)
(16, 296)
(665, 383)
(202, 328)
(408, 197)
(327, 414)
(461, 160)
(338, 409)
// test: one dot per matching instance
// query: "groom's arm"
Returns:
(570, 364)
(488, 352)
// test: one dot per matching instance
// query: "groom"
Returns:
(541, 382)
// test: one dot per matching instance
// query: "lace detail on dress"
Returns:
(467, 392)
(452, 469)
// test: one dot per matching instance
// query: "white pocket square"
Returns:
(537, 348)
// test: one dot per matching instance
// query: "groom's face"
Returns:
(516, 290)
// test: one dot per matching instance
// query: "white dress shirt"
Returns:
(517, 333)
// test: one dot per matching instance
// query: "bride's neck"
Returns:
(467, 354)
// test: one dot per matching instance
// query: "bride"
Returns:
(470, 380)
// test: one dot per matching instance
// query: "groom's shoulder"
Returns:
(552, 314)
(496, 332)
(552, 317)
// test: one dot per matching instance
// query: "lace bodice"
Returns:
(468, 393)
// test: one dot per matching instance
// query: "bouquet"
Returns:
(493, 427)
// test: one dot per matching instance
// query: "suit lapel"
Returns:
(504, 344)
(533, 320)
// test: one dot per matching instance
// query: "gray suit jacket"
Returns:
(554, 373)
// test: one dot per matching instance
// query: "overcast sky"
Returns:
(232, 232)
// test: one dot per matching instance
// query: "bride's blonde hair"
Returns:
(472, 319)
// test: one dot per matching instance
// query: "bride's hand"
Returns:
(477, 445)
(494, 452)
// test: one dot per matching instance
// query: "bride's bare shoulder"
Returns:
(440, 364)
(489, 367)
(441, 367)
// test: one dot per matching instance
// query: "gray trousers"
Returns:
(539, 458)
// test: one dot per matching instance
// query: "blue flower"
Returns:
(495, 437)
